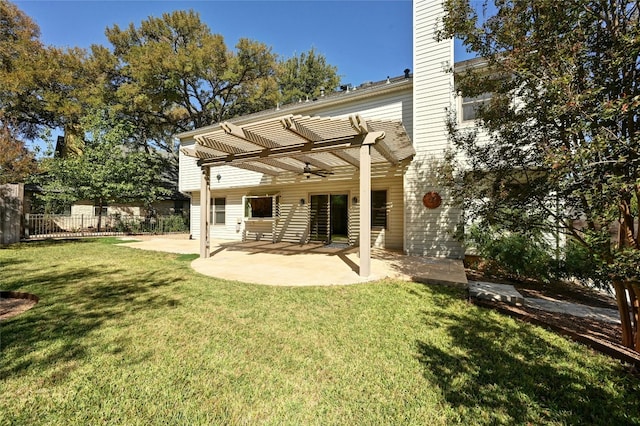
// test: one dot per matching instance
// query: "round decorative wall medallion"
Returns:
(431, 200)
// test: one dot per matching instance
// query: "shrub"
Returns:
(514, 255)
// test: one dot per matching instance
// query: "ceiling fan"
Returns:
(307, 171)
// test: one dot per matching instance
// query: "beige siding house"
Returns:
(307, 172)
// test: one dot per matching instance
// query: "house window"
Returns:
(178, 207)
(97, 211)
(471, 104)
(379, 209)
(218, 211)
(261, 207)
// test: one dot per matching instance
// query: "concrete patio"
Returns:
(315, 264)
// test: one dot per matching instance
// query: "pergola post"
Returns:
(205, 206)
(365, 209)
(365, 201)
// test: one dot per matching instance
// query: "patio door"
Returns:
(329, 217)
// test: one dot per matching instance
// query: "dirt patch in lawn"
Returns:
(13, 303)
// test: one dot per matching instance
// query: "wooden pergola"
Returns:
(290, 143)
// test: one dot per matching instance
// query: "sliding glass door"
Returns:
(329, 221)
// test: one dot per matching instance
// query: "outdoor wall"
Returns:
(11, 199)
(168, 207)
(429, 232)
(87, 209)
(293, 223)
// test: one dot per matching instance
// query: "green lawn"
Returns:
(122, 336)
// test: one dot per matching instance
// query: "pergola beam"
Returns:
(355, 162)
(386, 152)
(284, 151)
(292, 125)
(255, 168)
(280, 164)
(247, 135)
(216, 145)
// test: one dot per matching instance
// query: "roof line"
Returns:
(306, 107)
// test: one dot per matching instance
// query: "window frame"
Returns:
(473, 101)
(380, 209)
(215, 210)
(248, 208)
(105, 211)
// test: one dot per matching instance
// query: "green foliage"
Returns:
(16, 161)
(579, 263)
(42, 87)
(19, 48)
(106, 171)
(174, 75)
(166, 75)
(153, 225)
(304, 77)
(562, 125)
(515, 255)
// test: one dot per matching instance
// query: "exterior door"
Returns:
(329, 217)
(339, 217)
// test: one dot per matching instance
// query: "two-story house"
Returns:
(355, 167)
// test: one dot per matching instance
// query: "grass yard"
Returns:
(122, 336)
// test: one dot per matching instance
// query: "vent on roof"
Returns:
(406, 72)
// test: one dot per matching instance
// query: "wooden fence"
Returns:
(39, 226)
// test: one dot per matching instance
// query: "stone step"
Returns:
(495, 292)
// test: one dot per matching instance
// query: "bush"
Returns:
(174, 223)
(581, 265)
(514, 255)
(153, 225)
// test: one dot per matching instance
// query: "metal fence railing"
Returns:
(56, 226)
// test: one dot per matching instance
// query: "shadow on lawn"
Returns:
(47, 242)
(73, 304)
(498, 372)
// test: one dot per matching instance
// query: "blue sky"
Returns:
(365, 40)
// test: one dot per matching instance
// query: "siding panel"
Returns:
(293, 224)
(430, 232)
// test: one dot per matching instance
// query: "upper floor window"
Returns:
(471, 104)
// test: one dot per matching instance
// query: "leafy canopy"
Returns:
(106, 171)
(563, 151)
(16, 161)
(42, 87)
(172, 74)
(304, 76)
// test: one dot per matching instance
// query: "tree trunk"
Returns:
(627, 293)
(99, 214)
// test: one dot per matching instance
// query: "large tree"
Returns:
(305, 76)
(19, 48)
(563, 150)
(42, 87)
(174, 75)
